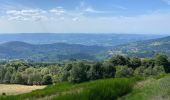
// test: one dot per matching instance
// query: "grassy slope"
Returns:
(151, 89)
(62, 90)
(110, 89)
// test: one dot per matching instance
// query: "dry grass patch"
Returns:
(17, 89)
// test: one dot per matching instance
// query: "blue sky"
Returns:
(85, 16)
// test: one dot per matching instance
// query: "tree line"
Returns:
(21, 72)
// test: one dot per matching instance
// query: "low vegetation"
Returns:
(111, 79)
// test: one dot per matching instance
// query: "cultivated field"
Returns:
(17, 89)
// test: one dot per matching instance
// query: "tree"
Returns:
(162, 60)
(124, 71)
(17, 78)
(157, 70)
(134, 63)
(119, 60)
(148, 71)
(47, 80)
(78, 73)
(139, 71)
(108, 70)
(148, 62)
(96, 71)
(7, 77)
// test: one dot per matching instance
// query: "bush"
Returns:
(139, 71)
(123, 71)
(78, 73)
(47, 80)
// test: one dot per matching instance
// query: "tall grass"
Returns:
(109, 89)
(152, 89)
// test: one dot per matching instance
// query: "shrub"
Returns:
(123, 71)
(47, 80)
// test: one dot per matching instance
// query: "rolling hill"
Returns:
(78, 38)
(48, 52)
(144, 48)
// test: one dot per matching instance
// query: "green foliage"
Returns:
(78, 73)
(108, 70)
(96, 71)
(21, 72)
(123, 71)
(47, 80)
(162, 60)
(109, 89)
(119, 60)
(152, 89)
(134, 62)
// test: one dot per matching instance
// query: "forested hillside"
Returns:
(102, 39)
(49, 52)
(144, 49)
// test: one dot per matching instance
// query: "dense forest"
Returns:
(49, 52)
(75, 71)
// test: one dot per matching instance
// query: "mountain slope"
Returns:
(144, 48)
(84, 39)
(48, 52)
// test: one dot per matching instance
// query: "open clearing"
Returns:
(17, 89)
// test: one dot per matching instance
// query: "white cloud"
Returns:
(58, 10)
(61, 20)
(149, 23)
(26, 14)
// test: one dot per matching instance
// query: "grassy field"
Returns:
(63, 91)
(107, 89)
(151, 89)
(17, 89)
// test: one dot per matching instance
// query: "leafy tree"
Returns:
(148, 71)
(148, 62)
(162, 60)
(96, 71)
(123, 71)
(78, 73)
(47, 80)
(108, 70)
(139, 71)
(2, 73)
(119, 60)
(157, 70)
(7, 77)
(134, 62)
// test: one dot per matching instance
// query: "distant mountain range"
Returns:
(144, 48)
(83, 39)
(49, 52)
(95, 47)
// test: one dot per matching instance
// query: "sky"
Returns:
(85, 16)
